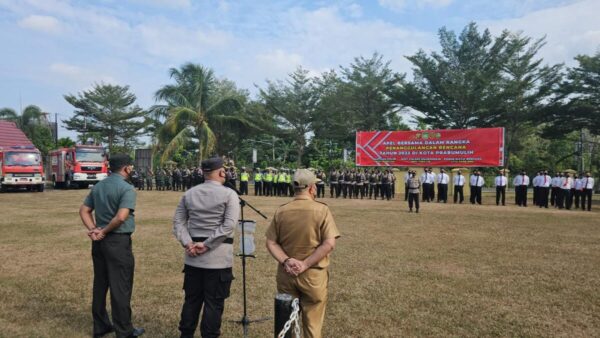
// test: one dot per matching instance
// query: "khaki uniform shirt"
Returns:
(208, 210)
(301, 226)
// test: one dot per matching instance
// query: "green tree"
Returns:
(577, 106)
(454, 87)
(191, 106)
(292, 105)
(107, 110)
(65, 142)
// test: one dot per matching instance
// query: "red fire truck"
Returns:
(78, 166)
(21, 167)
(20, 161)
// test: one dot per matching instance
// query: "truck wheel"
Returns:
(3, 188)
(41, 187)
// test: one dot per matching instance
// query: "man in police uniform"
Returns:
(300, 237)
(204, 223)
(258, 178)
(113, 201)
(244, 178)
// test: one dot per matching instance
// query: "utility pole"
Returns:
(56, 130)
(581, 159)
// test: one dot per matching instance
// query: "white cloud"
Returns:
(570, 30)
(400, 5)
(278, 62)
(79, 75)
(42, 23)
(166, 3)
(354, 10)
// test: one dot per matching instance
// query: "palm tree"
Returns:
(32, 115)
(190, 104)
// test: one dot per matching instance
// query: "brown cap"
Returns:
(304, 178)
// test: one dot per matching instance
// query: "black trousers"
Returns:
(553, 193)
(338, 189)
(477, 195)
(426, 191)
(332, 186)
(244, 187)
(568, 198)
(405, 192)
(268, 188)
(536, 195)
(372, 190)
(413, 198)
(500, 195)
(576, 195)
(320, 190)
(521, 195)
(560, 198)
(458, 192)
(586, 195)
(113, 270)
(442, 193)
(258, 188)
(543, 197)
(206, 288)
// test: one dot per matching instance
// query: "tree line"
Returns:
(550, 112)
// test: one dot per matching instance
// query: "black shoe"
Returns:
(137, 331)
(100, 335)
(417, 211)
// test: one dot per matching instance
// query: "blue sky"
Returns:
(55, 47)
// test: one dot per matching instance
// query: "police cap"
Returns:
(212, 163)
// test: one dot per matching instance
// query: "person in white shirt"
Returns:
(564, 199)
(587, 189)
(555, 187)
(576, 189)
(521, 182)
(536, 187)
(425, 183)
(500, 183)
(442, 180)
(544, 186)
(477, 183)
(459, 183)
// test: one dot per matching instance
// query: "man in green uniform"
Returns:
(113, 202)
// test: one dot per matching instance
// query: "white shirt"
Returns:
(536, 181)
(459, 180)
(578, 184)
(406, 177)
(587, 183)
(521, 180)
(556, 181)
(566, 183)
(544, 181)
(443, 178)
(500, 181)
(477, 181)
(428, 177)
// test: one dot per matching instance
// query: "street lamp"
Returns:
(272, 144)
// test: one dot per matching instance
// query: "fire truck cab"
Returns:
(21, 167)
(78, 166)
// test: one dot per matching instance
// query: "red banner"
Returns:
(436, 148)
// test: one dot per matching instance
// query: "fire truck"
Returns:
(78, 166)
(21, 167)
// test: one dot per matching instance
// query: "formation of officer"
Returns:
(108, 214)
(204, 224)
(301, 236)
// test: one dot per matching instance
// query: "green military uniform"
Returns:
(112, 257)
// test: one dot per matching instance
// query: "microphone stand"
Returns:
(245, 321)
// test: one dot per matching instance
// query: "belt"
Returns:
(119, 233)
(227, 240)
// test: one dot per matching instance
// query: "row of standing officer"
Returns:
(162, 179)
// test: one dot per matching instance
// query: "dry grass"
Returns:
(448, 271)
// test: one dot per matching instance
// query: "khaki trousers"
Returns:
(311, 288)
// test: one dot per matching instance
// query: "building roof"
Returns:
(11, 135)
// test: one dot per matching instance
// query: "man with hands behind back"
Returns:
(301, 236)
(113, 201)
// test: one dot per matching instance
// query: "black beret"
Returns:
(212, 163)
(118, 161)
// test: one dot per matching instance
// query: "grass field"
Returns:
(452, 270)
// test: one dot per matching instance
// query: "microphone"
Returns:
(231, 186)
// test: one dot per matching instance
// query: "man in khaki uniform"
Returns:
(301, 236)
